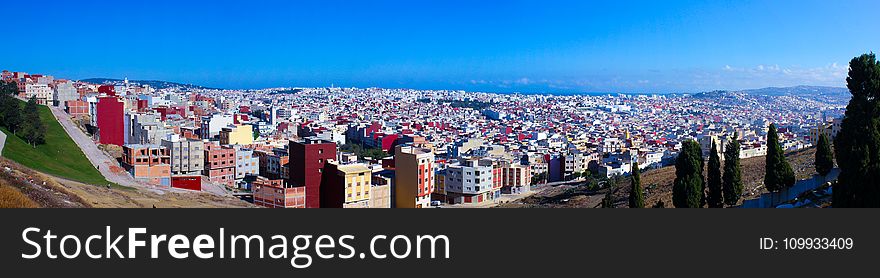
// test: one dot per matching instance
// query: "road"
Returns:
(98, 158)
(104, 162)
(508, 198)
(2, 142)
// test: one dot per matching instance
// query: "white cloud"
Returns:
(523, 81)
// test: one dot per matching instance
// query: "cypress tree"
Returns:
(688, 188)
(636, 193)
(715, 198)
(608, 201)
(778, 173)
(732, 184)
(824, 156)
(857, 145)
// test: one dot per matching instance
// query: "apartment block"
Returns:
(187, 156)
(220, 164)
(146, 128)
(110, 114)
(274, 194)
(64, 92)
(246, 164)
(76, 108)
(237, 135)
(346, 186)
(41, 92)
(380, 192)
(150, 163)
(472, 182)
(414, 177)
(308, 159)
(515, 179)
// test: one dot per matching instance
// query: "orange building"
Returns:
(77, 108)
(150, 163)
(275, 194)
(414, 177)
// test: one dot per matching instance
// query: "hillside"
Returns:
(21, 187)
(60, 156)
(658, 183)
(158, 84)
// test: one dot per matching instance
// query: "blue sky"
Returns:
(502, 46)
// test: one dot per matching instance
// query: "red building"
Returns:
(307, 161)
(164, 111)
(109, 90)
(110, 118)
(187, 182)
(220, 164)
(143, 105)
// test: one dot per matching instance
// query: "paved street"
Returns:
(98, 158)
(104, 162)
(2, 142)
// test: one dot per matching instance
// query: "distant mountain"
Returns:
(798, 91)
(158, 84)
(717, 94)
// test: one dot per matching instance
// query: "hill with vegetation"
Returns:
(58, 155)
(158, 84)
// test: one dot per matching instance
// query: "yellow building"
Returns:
(237, 135)
(357, 180)
(440, 184)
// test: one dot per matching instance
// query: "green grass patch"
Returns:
(60, 156)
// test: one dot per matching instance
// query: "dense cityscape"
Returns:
(406, 148)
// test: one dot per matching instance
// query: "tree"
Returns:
(857, 144)
(732, 184)
(608, 201)
(8, 88)
(636, 192)
(824, 156)
(778, 173)
(688, 188)
(539, 178)
(4, 98)
(12, 117)
(715, 198)
(32, 129)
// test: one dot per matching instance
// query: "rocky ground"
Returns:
(54, 192)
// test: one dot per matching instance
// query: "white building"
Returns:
(42, 92)
(211, 125)
(471, 182)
